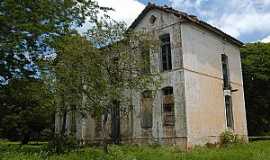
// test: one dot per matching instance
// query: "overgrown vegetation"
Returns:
(97, 81)
(26, 110)
(27, 26)
(256, 75)
(228, 138)
(61, 144)
(28, 32)
(251, 151)
(86, 74)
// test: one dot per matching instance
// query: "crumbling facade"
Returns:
(201, 94)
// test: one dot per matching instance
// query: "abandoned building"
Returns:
(201, 95)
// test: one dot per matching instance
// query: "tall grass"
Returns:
(253, 151)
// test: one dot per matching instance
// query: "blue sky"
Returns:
(246, 20)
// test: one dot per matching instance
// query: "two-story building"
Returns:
(201, 94)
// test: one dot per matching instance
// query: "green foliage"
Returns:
(252, 151)
(61, 144)
(229, 138)
(125, 56)
(256, 60)
(93, 80)
(25, 26)
(78, 70)
(26, 109)
(256, 75)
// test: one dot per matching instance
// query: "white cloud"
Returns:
(240, 24)
(266, 39)
(125, 10)
(235, 17)
(262, 2)
(243, 19)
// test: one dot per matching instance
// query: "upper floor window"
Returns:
(225, 70)
(166, 57)
(146, 60)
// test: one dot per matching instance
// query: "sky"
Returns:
(246, 20)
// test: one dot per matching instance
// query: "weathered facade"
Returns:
(201, 94)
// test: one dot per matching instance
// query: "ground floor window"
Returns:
(146, 109)
(168, 107)
(229, 112)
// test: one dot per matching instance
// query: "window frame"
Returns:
(168, 101)
(225, 72)
(166, 52)
(146, 60)
(152, 19)
(147, 94)
(229, 112)
(228, 105)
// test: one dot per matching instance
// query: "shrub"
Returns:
(228, 138)
(61, 144)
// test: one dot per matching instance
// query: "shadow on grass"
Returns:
(32, 147)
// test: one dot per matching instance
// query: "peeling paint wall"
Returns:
(165, 24)
(204, 94)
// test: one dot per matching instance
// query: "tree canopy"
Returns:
(28, 32)
(26, 109)
(26, 27)
(96, 73)
(256, 75)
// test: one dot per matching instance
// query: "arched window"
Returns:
(168, 106)
(152, 19)
(146, 109)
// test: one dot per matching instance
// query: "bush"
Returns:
(60, 144)
(228, 138)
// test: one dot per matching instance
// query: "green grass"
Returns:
(253, 151)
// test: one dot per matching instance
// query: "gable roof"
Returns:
(188, 18)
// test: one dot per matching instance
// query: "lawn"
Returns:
(259, 150)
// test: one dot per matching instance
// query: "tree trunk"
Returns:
(115, 118)
(104, 131)
(64, 117)
(63, 128)
(25, 139)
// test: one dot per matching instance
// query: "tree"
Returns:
(127, 68)
(78, 64)
(26, 26)
(26, 109)
(93, 73)
(27, 30)
(256, 75)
